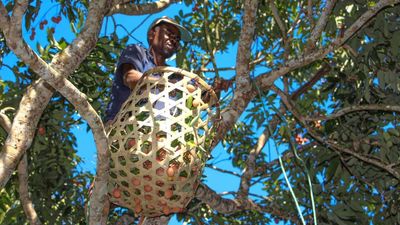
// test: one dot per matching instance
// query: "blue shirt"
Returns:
(141, 60)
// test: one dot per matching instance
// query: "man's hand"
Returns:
(130, 75)
(218, 86)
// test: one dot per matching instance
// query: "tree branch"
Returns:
(159, 220)
(320, 73)
(26, 201)
(252, 63)
(320, 26)
(206, 195)
(128, 8)
(23, 190)
(249, 170)
(5, 122)
(360, 22)
(125, 220)
(332, 144)
(222, 170)
(278, 19)
(229, 206)
(243, 84)
(4, 18)
(310, 13)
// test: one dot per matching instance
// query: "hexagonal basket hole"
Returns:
(144, 129)
(122, 160)
(142, 116)
(112, 133)
(189, 137)
(160, 183)
(142, 102)
(183, 174)
(175, 198)
(200, 131)
(133, 158)
(126, 193)
(145, 147)
(127, 115)
(161, 154)
(137, 192)
(112, 163)
(187, 157)
(157, 88)
(129, 128)
(122, 173)
(151, 207)
(174, 163)
(159, 105)
(175, 143)
(114, 147)
(134, 171)
(160, 171)
(176, 127)
(147, 164)
(124, 183)
(173, 78)
(189, 119)
(148, 197)
(147, 178)
(141, 89)
(130, 143)
(160, 135)
(175, 94)
(113, 175)
(175, 111)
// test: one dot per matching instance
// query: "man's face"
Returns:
(166, 40)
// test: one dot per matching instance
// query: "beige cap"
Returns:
(186, 36)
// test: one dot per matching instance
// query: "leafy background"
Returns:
(363, 72)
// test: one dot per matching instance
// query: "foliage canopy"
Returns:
(332, 110)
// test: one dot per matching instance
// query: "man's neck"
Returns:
(159, 60)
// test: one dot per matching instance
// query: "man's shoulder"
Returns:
(133, 53)
(136, 48)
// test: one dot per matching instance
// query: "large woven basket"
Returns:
(158, 142)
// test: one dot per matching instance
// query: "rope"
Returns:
(281, 163)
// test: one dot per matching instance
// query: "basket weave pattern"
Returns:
(157, 143)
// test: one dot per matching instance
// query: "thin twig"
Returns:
(222, 170)
(356, 108)
(320, 26)
(310, 13)
(278, 19)
(320, 73)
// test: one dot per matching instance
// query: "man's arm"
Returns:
(130, 75)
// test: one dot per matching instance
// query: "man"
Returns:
(163, 36)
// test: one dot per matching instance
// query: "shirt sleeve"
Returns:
(131, 55)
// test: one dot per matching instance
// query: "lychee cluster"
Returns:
(43, 23)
